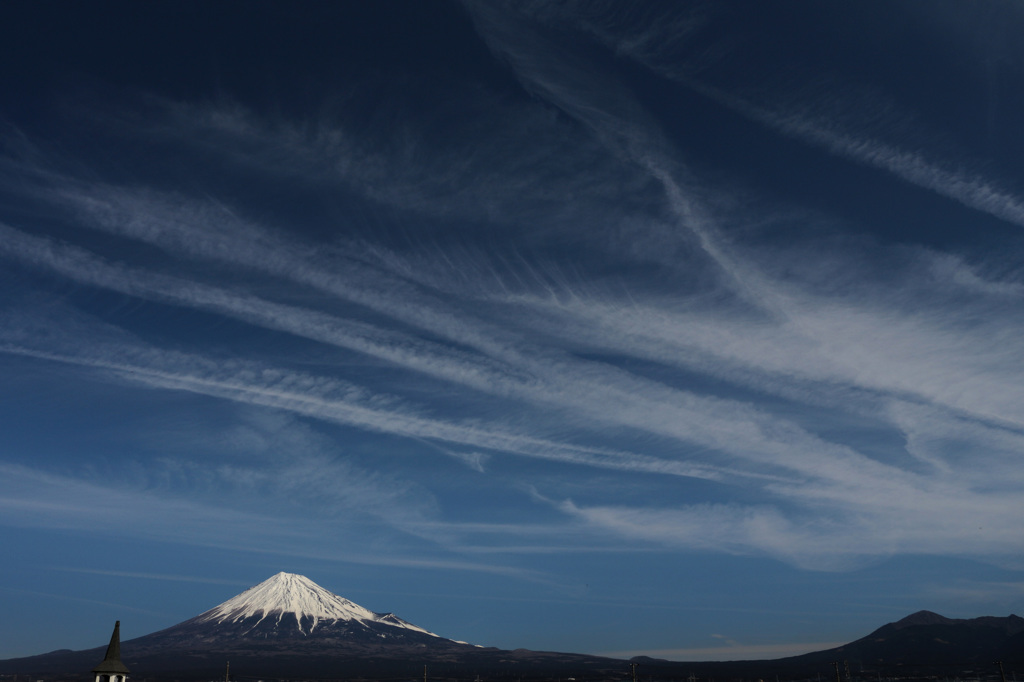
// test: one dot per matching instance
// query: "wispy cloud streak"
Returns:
(959, 184)
(340, 403)
(649, 44)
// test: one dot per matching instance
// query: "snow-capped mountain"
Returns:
(290, 627)
(286, 609)
(287, 600)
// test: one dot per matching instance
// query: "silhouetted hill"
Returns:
(926, 638)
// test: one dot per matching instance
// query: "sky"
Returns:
(671, 328)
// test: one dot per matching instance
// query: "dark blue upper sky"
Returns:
(694, 326)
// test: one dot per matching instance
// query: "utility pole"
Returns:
(632, 670)
(424, 673)
(1002, 673)
(835, 664)
(227, 672)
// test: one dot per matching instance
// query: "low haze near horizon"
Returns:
(672, 328)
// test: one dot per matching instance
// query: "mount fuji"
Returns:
(288, 605)
(290, 627)
(288, 624)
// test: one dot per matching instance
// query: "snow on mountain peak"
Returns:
(291, 593)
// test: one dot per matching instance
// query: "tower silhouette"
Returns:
(111, 669)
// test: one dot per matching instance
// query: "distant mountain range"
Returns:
(290, 627)
(926, 638)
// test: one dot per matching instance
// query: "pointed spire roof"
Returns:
(112, 661)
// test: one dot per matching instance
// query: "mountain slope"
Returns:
(286, 624)
(923, 644)
(925, 639)
(287, 627)
(289, 615)
(286, 599)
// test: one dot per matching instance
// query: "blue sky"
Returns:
(686, 329)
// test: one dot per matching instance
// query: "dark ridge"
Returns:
(923, 645)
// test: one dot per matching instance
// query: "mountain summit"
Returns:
(288, 599)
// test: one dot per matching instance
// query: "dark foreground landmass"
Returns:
(922, 646)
